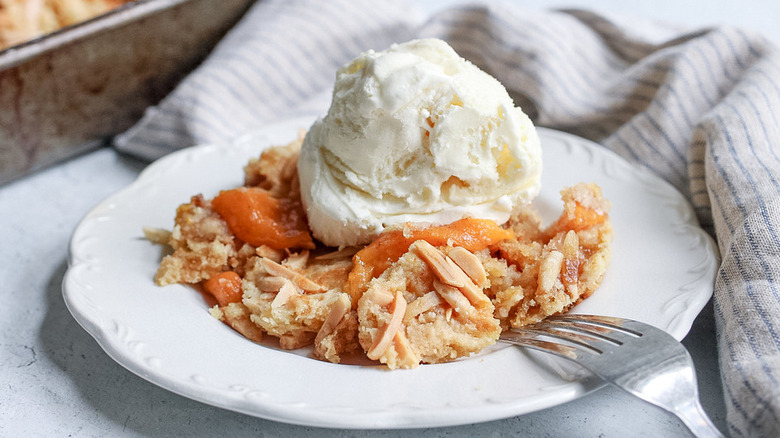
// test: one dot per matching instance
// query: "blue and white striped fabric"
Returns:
(701, 109)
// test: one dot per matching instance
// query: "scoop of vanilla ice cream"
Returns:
(415, 133)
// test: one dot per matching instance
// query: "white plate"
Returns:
(662, 273)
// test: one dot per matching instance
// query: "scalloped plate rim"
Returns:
(388, 419)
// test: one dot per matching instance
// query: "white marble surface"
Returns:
(56, 381)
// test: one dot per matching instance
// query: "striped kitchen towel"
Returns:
(699, 108)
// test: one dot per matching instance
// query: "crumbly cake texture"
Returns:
(433, 304)
(410, 314)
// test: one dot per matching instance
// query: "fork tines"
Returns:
(639, 358)
(578, 332)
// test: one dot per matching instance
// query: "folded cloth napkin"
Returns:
(699, 108)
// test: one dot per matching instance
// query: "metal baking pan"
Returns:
(70, 91)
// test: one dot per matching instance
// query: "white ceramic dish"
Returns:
(662, 273)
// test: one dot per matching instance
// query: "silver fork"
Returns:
(636, 357)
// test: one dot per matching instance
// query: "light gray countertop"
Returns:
(56, 381)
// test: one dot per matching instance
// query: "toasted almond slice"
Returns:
(271, 284)
(444, 268)
(268, 252)
(453, 296)
(340, 307)
(159, 236)
(283, 296)
(422, 304)
(474, 294)
(385, 334)
(296, 260)
(549, 269)
(406, 356)
(571, 245)
(299, 280)
(470, 264)
(383, 297)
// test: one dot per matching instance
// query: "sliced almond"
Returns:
(448, 314)
(571, 245)
(444, 268)
(469, 263)
(422, 305)
(159, 236)
(385, 335)
(299, 280)
(453, 296)
(549, 269)
(286, 292)
(382, 297)
(451, 274)
(474, 294)
(407, 358)
(340, 307)
(268, 252)
(296, 260)
(271, 284)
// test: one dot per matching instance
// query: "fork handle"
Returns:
(697, 421)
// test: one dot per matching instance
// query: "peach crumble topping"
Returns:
(416, 294)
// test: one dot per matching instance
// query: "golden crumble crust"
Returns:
(433, 304)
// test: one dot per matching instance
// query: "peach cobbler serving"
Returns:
(399, 227)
